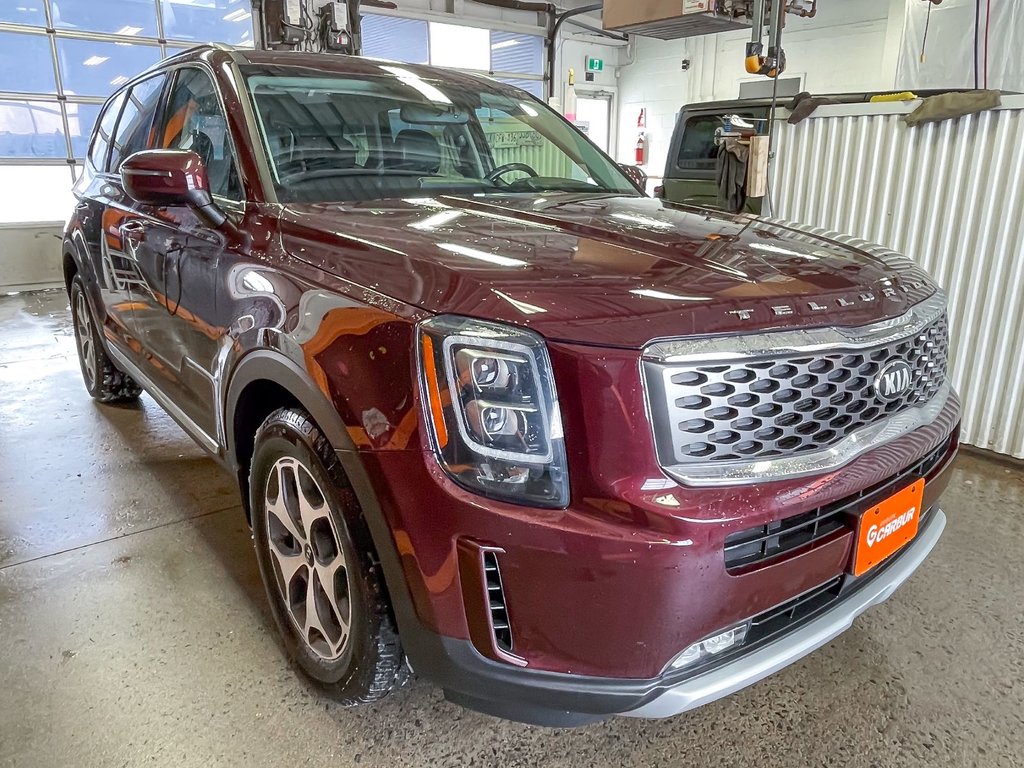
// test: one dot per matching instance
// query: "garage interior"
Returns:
(132, 614)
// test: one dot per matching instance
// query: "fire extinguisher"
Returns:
(641, 141)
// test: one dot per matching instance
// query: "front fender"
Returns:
(269, 365)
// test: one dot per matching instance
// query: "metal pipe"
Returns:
(519, 5)
(620, 36)
(778, 20)
(757, 22)
(553, 38)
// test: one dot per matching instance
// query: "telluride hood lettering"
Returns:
(600, 269)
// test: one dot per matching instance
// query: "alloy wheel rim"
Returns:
(83, 324)
(309, 562)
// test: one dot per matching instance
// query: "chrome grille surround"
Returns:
(750, 408)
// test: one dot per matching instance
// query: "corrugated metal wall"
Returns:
(512, 141)
(951, 196)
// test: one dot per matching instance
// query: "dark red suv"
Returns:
(565, 450)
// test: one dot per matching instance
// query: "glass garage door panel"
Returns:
(23, 12)
(35, 193)
(25, 63)
(93, 68)
(536, 87)
(387, 37)
(220, 21)
(81, 119)
(31, 129)
(452, 45)
(515, 52)
(121, 17)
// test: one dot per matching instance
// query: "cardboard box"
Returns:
(618, 13)
(667, 19)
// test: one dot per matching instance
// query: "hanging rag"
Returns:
(803, 106)
(949, 106)
(732, 174)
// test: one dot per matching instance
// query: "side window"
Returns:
(194, 120)
(135, 127)
(697, 150)
(104, 131)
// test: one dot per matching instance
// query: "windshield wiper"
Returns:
(324, 173)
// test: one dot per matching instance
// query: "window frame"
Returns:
(122, 94)
(173, 73)
(684, 121)
(157, 115)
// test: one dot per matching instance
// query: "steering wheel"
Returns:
(501, 170)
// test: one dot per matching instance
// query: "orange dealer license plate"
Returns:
(887, 526)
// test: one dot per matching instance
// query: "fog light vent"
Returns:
(496, 602)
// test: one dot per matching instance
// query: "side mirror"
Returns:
(636, 174)
(171, 177)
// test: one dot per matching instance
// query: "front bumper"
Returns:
(773, 656)
(555, 699)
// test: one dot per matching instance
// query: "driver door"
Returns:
(181, 258)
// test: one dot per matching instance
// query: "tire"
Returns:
(105, 381)
(313, 548)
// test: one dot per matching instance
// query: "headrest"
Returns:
(416, 150)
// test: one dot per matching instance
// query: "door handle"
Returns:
(133, 232)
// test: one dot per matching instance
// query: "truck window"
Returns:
(697, 150)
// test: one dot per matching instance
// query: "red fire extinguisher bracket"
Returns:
(641, 149)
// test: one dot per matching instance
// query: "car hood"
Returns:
(614, 271)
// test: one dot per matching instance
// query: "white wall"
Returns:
(948, 55)
(849, 46)
(31, 256)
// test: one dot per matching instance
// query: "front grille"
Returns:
(765, 542)
(496, 602)
(779, 618)
(784, 405)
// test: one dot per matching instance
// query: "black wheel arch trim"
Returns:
(268, 365)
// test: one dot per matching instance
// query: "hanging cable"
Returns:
(928, 24)
(988, 19)
(977, 35)
(777, 29)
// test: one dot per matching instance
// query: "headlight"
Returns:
(489, 400)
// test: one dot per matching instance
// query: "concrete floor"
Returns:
(133, 628)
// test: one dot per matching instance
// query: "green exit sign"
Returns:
(595, 65)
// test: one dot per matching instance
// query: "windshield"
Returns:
(339, 137)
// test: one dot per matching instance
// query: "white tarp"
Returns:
(949, 51)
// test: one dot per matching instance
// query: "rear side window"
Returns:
(135, 127)
(104, 132)
(698, 150)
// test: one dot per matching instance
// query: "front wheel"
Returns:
(105, 381)
(315, 555)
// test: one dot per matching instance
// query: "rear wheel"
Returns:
(104, 380)
(315, 555)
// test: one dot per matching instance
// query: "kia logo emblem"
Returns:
(893, 380)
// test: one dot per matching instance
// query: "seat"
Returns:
(415, 150)
(296, 153)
